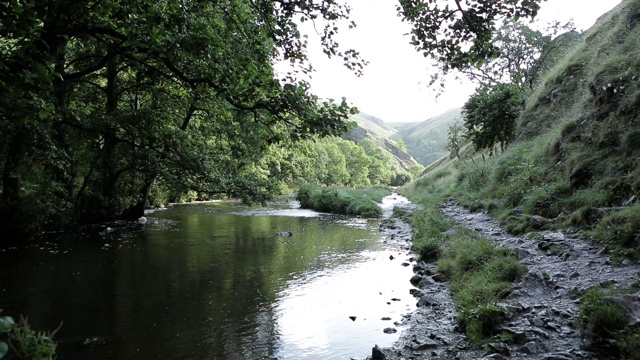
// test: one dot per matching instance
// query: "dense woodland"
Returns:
(106, 102)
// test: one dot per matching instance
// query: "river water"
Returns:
(213, 281)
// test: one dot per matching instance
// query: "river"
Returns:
(213, 281)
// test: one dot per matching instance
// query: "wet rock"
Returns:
(285, 233)
(415, 279)
(529, 348)
(537, 222)
(386, 318)
(395, 299)
(437, 277)
(426, 281)
(630, 304)
(377, 354)
(391, 257)
(427, 300)
(559, 356)
(500, 348)
(425, 344)
(93, 341)
(405, 264)
(416, 293)
(390, 330)
(495, 357)
(353, 318)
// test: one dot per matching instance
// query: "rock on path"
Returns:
(542, 309)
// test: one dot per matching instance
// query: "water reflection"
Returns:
(212, 282)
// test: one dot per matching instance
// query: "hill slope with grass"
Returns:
(574, 167)
(376, 130)
(425, 139)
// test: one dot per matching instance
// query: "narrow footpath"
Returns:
(542, 309)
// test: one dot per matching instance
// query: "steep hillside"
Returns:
(425, 139)
(375, 129)
(576, 160)
(570, 183)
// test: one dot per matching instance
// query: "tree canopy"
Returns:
(457, 34)
(105, 100)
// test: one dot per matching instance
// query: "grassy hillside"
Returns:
(375, 129)
(425, 139)
(574, 166)
(576, 163)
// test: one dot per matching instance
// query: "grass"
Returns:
(605, 324)
(342, 201)
(575, 164)
(480, 273)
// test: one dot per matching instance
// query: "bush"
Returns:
(490, 115)
(606, 326)
(347, 202)
(24, 342)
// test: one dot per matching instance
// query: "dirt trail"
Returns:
(542, 309)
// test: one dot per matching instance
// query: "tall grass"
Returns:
(342, 201)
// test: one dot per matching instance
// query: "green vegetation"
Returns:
(19, 341)
(490, 115)
(425, 140)
(605, 323)
(572, 163)
(103, 109)
(480, 276)
(342, 201)
(480, 273)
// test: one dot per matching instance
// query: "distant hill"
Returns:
(375, 129)
(426, 139)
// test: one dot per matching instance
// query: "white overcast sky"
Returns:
(394, 85)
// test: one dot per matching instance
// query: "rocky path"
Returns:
(542, 309)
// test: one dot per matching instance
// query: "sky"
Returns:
(394, 84)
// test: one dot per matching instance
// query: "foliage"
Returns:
(347, 202)
(524, 53)
(24, 342)
(105, 102)
(458, 35)
(490, 115)
(400, 178)
(606, 325)
(456, 137)
(479, 273)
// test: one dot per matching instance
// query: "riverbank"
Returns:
(545, 316)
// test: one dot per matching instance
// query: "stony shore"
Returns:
(542, 309)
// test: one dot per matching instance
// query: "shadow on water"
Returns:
(212, 281)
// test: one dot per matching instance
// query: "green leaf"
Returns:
(6, 323)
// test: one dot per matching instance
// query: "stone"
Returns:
(390, 330)
(427, 300)
(529, 348)
(426, 281)
(500, 348)
(285, 233)
(377, 354)
(353, 318)
(415, 279)
(437, 277)
(425, 344)
(405, 264)
(386, 318)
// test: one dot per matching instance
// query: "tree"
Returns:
(490, 115)
(455, 139)
(523, 52)
(101, 103)
(458, 35)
